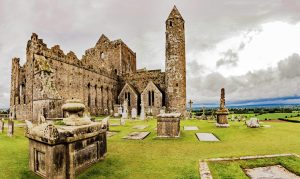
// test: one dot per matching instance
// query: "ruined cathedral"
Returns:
(104, 77)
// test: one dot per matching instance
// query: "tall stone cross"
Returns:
(190, 103)
(222, 100)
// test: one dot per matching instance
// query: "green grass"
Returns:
(226, 169)
(157, 158)
(275, 115)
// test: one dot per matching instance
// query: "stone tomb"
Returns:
(208, 137)
(168, 125)
(276, 171)
(137, 135)
(190, 128)
(140, 127)
(64, 151)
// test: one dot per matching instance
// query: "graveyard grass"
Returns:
(234, 169)
(164, 158)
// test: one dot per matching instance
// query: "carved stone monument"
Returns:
(222, 113)
(190, 114)
(64, 151)
(168, 125)
(1, 125)
(10, 128)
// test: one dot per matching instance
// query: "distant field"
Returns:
(269, 116)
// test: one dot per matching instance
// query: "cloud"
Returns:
(229, 58)
(282, 80)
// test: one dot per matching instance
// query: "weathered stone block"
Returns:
(168, 125)
(65, 151)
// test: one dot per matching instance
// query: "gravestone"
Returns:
(125, 110)
(208, 137)
(140, 127)
(168, 125)
(120, 110)
(190, 128)
(10, 128)
(2, 125)
(137, 135)
(133, 113)
(253, 123)
(143, 114)
(222, 113)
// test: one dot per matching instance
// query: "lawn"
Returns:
(168, 158)
(276, 115)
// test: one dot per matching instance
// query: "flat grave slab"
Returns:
(276, 171)
(140, 127)
(110, 134)
(266, 126)
(209, 137)
(190, 128)
(137, 135)
(114, 124)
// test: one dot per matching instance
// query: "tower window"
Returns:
(176, 84)
(171, 23)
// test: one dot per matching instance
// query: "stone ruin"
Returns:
(107, 75)
(222, 113)
(64, 151)
(168, 125)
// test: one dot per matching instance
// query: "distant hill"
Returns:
(290, 101)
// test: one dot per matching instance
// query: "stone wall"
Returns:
(49, 76)
(152, 98)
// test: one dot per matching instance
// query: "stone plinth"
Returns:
(168, 125)
(65, 151)
(222, 118)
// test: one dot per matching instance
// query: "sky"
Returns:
(249, 47)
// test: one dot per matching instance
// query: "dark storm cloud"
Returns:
(77, 25)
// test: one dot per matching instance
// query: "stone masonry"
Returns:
(105, 76)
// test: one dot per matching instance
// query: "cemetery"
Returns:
(101, 117)
(180, 156)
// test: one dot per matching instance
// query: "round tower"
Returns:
(175, 63)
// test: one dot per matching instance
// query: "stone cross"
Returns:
(190, 103)
(2, 125)
(222, 100)
(190, 112)
(10, 130)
